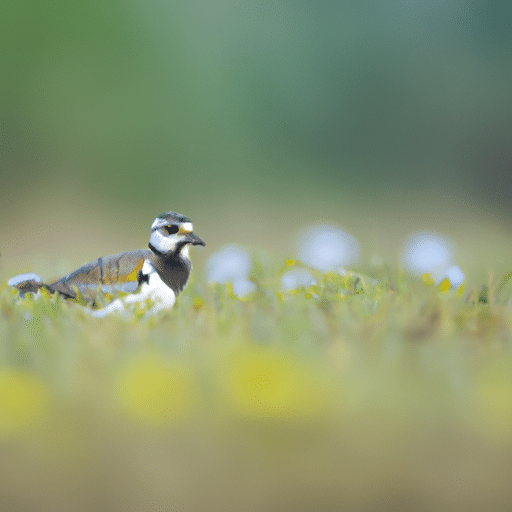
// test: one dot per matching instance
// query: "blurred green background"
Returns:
(254, 119)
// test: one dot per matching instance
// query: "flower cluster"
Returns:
(327, 248)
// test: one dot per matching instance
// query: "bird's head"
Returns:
(171, 234)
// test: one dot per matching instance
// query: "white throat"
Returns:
(184, 252)
(161, 243)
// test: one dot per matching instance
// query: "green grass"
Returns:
(358, 393)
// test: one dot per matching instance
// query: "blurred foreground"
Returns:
(351, 393)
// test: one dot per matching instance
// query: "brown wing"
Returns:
(113, 273)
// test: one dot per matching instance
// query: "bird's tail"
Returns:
(26, 283)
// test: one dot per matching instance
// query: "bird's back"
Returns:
(111, 274)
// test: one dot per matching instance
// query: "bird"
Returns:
(158, 273)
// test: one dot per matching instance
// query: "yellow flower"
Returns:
(268, 385)
(154, 393)
(197, 303)
(444, 285)
(427, 279)
(23, 399)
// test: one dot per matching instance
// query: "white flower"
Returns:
(427, 253)
(327, 247)
(296, 278)
(228, 264)
(231, 263)
(454, 275)
(242, 287)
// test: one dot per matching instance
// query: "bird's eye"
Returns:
(171, 230)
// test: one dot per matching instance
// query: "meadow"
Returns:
(358, 392)
(293, 389)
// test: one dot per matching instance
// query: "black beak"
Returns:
(194, 239)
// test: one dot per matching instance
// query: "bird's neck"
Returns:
(174, 270)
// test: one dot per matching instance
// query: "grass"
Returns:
(357, 393)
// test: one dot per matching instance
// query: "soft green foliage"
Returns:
(360, 392)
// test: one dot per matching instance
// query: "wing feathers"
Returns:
(113, 273)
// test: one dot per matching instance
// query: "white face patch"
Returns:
(156, 222)
(187, 227)
(161, 243)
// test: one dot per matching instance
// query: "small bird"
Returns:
(158, 273)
